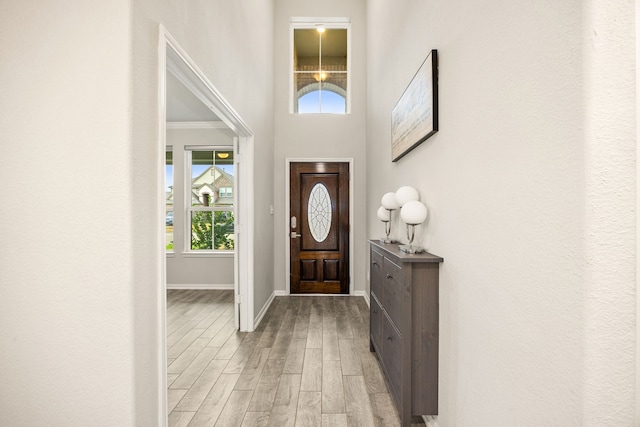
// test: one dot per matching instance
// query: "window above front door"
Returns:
(320, 66)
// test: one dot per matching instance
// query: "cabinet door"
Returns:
(392, 357)
(392, 299)
(376, 324)
(377, 278)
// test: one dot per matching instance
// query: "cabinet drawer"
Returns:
(392, 299)
(376, 275)
(392, 356)
(375, 324)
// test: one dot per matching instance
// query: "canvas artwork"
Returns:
(415, 116)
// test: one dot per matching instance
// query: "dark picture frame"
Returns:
(415, 116)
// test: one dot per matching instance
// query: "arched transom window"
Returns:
(320, 66)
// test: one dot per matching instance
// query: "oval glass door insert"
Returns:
(319, 212)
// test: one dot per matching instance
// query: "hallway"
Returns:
(307, 364)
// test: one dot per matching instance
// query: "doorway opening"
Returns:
(175, 64)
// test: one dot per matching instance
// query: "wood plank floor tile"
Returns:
(173, 397)
(181, 362)
(230, 345)
(241, 356)
(233, 413)
(384, 411)
(334, 420)
(332, 389)
(193, 371)
(301, 327)
(330, 348)
(265, 392)
(180, 419)
(256, 419)
(220, 339)
(309, 412)
(370, 368)
(314, 333)
(359, 413)
(285, 404)
(349, 359)
(295, 356)
(201, 387)
(312, 370)
(252, 371)
(343, 318)
(282, 340)
(216, 326)
(184, 343)
(214, 403)
(171, 378)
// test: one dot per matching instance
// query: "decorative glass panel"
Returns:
(319, 212)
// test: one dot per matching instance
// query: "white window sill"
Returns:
(170, 254)
(205, 254)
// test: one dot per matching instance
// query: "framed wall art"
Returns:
(415, 116)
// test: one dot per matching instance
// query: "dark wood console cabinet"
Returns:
(404, 326)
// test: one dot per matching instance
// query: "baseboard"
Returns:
(263, 311)
(363, 294)
(200, 286)
(430, 420)
(280, 293)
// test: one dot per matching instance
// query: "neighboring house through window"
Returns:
(208, 210)
(320, 65)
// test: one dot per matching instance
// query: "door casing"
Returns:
(287, 201)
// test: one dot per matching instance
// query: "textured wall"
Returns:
(66, 334)
(530, 188)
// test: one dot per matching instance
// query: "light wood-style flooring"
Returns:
(307, 364)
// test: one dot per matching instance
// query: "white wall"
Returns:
(186, 270)
(530, 188)
(80, 269)
(67, 340)
(323, 135)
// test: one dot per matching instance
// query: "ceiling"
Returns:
(334, 42)
(184, 106)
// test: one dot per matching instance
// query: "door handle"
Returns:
(294, 235)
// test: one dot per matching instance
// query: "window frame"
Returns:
(169, 148)
(188, 208)
(313, 23)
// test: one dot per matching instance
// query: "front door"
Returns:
(319, 227)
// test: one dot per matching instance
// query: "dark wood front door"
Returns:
(319, 227)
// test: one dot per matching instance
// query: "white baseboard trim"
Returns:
(280, 293)
(430, 420)
(263, 311)
(363, 294)
(199, 286)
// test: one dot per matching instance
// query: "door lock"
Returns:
(294, 235)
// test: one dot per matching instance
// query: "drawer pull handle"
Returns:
(389, 338)
(375, 263)
(375, 311)
(389, 276)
